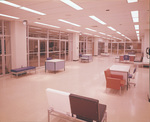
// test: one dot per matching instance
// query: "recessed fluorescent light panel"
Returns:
(98, 20)
(137, 31)
(90, 29)
(73, 30)
(111, 28)
(31, 10)
(135, 16)
(118, 32)
(87, 33)
(23, 8)
(72, 4)
(9, 3)
(4, 15)
(102, 33)
(96, 36)
(46, 24)
(136, 27)
(132, 1)
(68, 22)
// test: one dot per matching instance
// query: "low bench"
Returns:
(75, 106)
(22, 70)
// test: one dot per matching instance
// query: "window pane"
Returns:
(0, 65)
(42, 58)
(43, 45)
(33, 60)
(33, 46)
(6, 28)
(0, 46)
(0, 27)
(7, 64)
(7, 45)
(114, 48)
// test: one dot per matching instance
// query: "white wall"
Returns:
(18, 44)
(145, 42)
(75, 46)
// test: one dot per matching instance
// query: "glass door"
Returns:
(43, 52)
(63, 50)
(33, 53)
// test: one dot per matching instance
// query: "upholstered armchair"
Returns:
(113, 81)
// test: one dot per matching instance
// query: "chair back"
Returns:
(84, 108)
(59, 101)
(49, 58)
(107, 73)
(126, 57)
(134, 70)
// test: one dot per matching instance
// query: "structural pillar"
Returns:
(18, 44)
(75, 46)
(96, 46)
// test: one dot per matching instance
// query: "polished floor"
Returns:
(23, 98)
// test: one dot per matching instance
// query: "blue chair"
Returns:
(132, 76)
(126, 57)
(49, 58)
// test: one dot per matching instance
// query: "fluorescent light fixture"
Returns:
(34, 28)
(102, 33)
(138, 38)
(135, 16)
(118, 32)
(98, 20)
(122, 35)
(4, 15)
(132, 1)
(136, 27)
(31, 10)
(68, 22)
(111, 28)
(87, 34)
(73, 30)
(109, 35)
(46, 24)
(9, 3)
(90, 29)
(72, 4)
(135, 19)
(138, 34)
(137, 31)
(96, 36)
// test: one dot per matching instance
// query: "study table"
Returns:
(121, 70)
(54, 65)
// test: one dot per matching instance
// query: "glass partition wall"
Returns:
(121, 48)
(86, 45)
(43, 43)
(5, 47)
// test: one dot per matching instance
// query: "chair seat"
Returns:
(102, 110)
(130, 76)
(122, 82)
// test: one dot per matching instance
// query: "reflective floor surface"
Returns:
(23, 98)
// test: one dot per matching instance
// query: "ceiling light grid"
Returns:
(21, 7)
